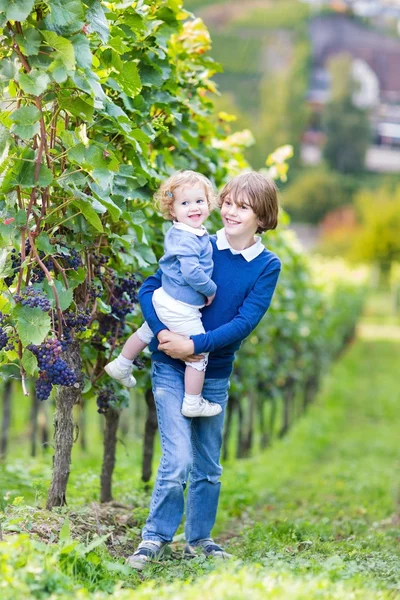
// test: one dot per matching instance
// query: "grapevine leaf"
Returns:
(64, 49)
(75, 278)
(138, 217)
(129, 79)
(43, 243)
(35, 82)
(90, 214)
(97, 21)
(4, 270)
(76, 106)
(24, 175)
(82, 51)
(4, 142)
(29, 362)
(66, 16)
(29, 42)
(25, 121)
(16, 10)
(58, 71)
(65, 296)
(32, 324)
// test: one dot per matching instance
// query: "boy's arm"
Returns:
(146, 291)
(250, 314)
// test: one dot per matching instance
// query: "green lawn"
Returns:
(317, 516)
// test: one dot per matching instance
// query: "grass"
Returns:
(316, 516)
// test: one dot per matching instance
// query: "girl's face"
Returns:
(190, 205)
(240, 220)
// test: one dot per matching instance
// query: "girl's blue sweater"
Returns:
(244, 293)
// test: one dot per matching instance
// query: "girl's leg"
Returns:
(194, 381)
(120, 368)
(133, 347)
(194, 405)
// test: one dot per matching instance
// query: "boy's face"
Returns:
(190, 205)
(239, 219)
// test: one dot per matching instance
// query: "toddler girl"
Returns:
(186, 268)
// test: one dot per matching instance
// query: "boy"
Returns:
(246, 274)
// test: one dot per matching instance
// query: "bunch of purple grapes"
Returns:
(105, 398)
(53, 370)
(128, 285)
(3, 339)
(75, 321)
(33, 298)
(16, 261)
(73, 260)
(38, 274)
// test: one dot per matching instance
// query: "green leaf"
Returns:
(32, 324)
(82, 51)
(66, 16)
(16, 10)
(43, 243)
(138, 217)
(65, 296)
(64, 50)
(4, 270)
(25, 173)
(29, 362)
(97, 21)
(25, 121)
(76, 106)
(35, 82)
(90, 214)
(129, 79)
(58, 71)
(77, 277)
(5, 138)
(29, 42)
(65, 531)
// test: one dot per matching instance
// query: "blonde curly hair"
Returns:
(164, 197)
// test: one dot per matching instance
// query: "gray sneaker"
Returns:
(208, 547)
(147, 551)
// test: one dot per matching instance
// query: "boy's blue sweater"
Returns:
(187, 266)
(244, 293)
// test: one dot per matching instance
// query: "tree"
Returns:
(378, 240)
(347, 127)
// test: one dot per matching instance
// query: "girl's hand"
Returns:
(178, 346)
(209, 299)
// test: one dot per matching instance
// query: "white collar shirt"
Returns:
(248, 253)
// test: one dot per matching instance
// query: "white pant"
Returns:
(179, 317)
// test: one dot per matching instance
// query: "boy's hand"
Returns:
(162, 336)
(178, 346)
(209, 299)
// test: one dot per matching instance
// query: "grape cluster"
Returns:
(105, 398)
(3, 339)
(129, 285)
(98, 261)
(33, 298)
(95, 291)
(43, 386)
(73, 260)
(53, 370)
(38, 274)
(16, 261)
(78, 321)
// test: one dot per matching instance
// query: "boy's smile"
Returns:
(190, 206)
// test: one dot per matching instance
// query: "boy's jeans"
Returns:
(188, 446)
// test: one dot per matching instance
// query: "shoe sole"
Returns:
(186, 414)
(107, 370)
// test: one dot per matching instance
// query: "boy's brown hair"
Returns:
(259, 192)
(164, 197)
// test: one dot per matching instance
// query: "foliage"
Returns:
(313, 517)
(316, 192)
(283, 112)
(377, 239)
(347, 127)
(284, 14)
(101, 103)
